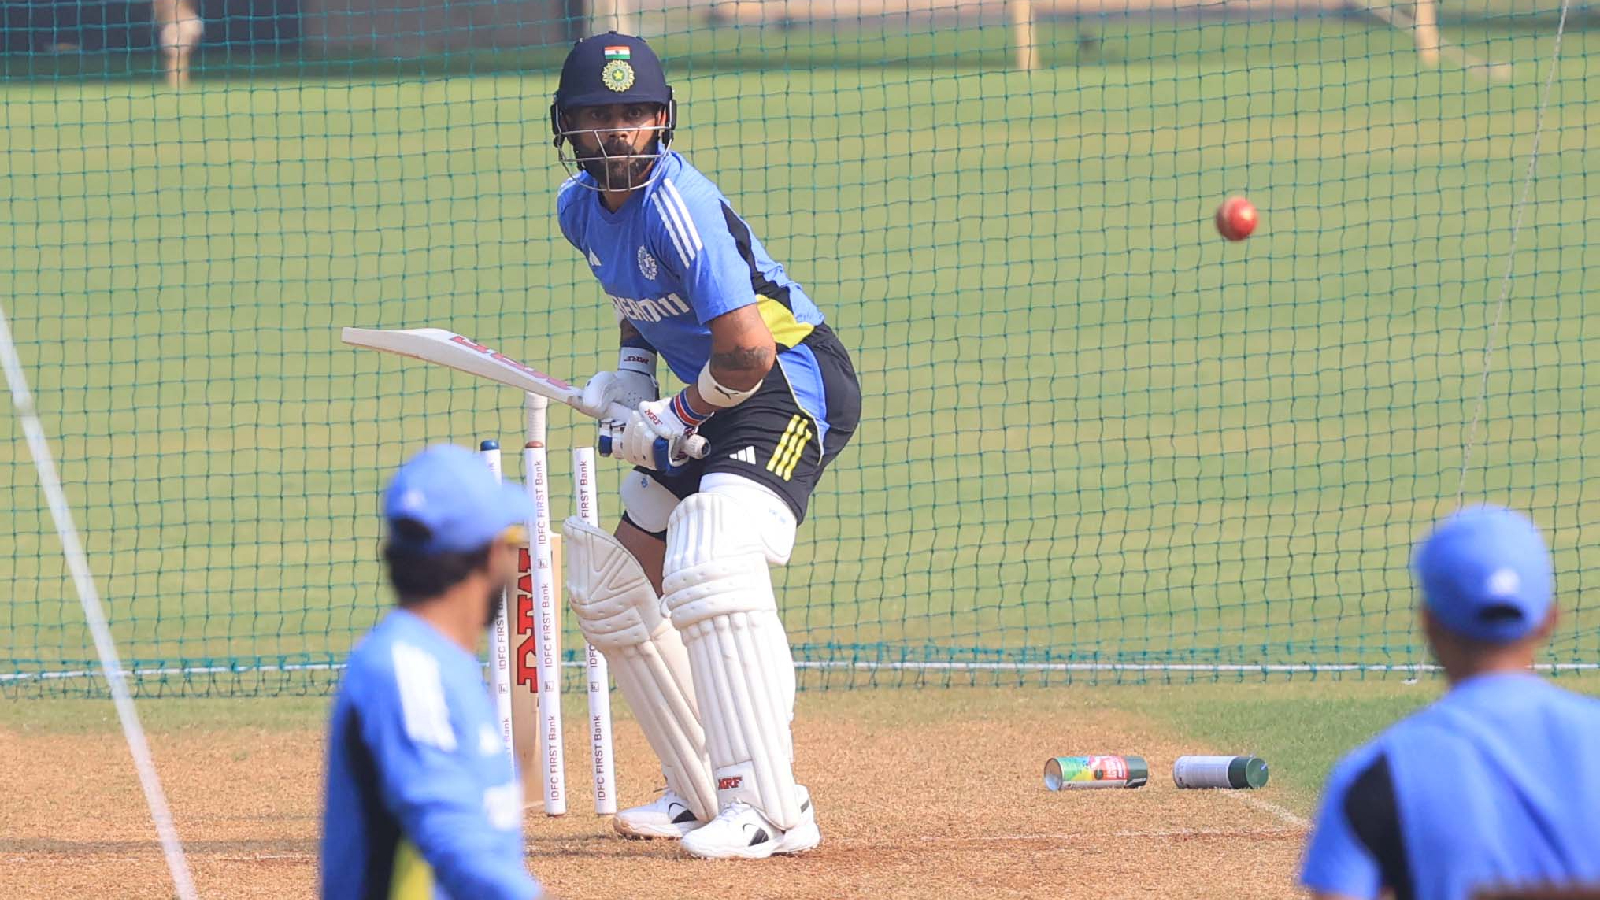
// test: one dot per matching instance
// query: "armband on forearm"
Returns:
(636, 359)
(720, 395)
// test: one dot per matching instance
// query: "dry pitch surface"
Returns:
(925, 794)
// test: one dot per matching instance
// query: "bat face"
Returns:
(459, 352)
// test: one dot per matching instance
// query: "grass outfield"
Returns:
(1093, 430)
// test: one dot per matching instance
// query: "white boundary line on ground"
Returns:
(1267, 806)
(1067, 836)
(1269, 668)
(94, 613)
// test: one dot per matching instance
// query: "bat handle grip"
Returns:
(696, 446)
(618, 412)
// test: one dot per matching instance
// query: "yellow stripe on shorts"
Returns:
(791, 448)
(778, 456)
(796, 450)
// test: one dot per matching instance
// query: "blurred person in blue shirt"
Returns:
(1494, 786)
(423, 800)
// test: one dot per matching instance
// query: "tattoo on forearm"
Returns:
(741, 359)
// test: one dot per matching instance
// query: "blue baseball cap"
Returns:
(450, 491)
(1486, 574)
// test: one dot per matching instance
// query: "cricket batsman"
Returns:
(423, 799)
(680, 600)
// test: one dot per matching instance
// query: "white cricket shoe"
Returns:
(666, 817)
(740, 831)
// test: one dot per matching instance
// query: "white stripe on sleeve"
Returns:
(692, 233)
(422, 703)
(666, 221)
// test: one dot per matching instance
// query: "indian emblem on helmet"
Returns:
(617, 75)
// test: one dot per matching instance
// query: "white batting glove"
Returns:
(658, 433)
(633, 382)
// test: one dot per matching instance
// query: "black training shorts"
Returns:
(770, 439)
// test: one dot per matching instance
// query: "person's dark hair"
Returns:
(418, 577)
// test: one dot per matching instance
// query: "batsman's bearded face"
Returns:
(616, 144)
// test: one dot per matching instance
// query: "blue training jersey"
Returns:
(1494, 785)
(676, 256)
(423, 800)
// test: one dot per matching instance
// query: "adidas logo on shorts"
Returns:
(747, 455)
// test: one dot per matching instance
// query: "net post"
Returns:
(614, 15)
(1426, 32)
(1026, 49)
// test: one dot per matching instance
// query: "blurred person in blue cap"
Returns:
(423, 799)
(1494, 786)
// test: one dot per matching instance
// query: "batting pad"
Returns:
(720, 596)
(620, 615)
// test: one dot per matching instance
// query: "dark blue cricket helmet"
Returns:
(611, 68)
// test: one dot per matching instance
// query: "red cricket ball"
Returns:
(1236, 218)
